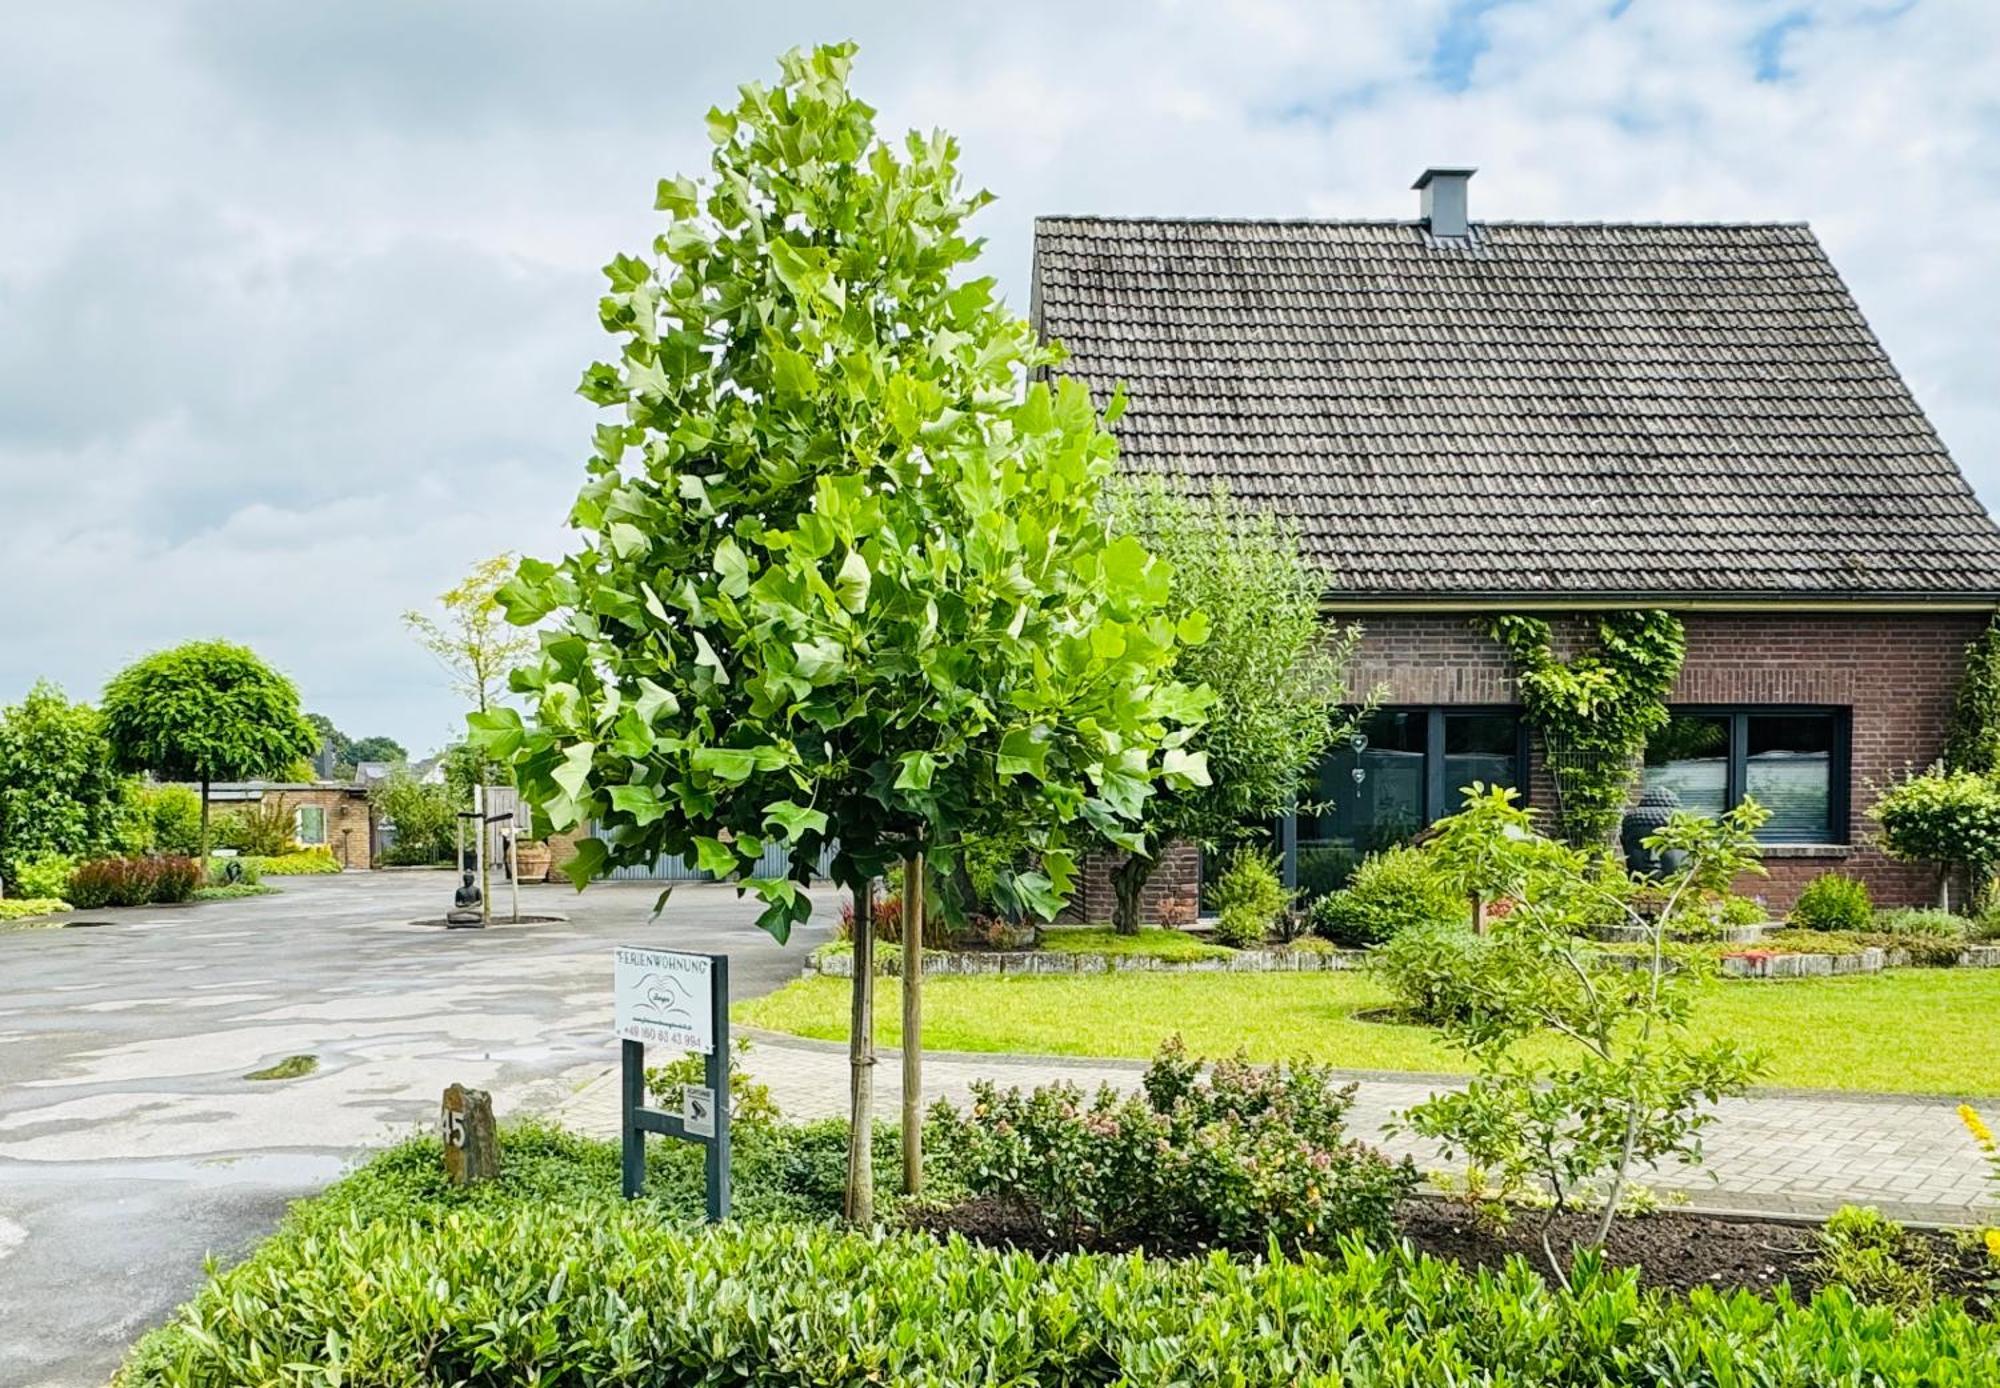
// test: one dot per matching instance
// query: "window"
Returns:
(1402, 769)
(1793, 762)
(309, 825)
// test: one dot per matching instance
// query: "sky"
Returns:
(294, 298)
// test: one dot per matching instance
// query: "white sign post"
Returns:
(664, 997)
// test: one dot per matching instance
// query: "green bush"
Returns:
(160, 819)
(1834, 902)
(568, 1293)
(1239, 1158)
(235, 872)
(1241, 926)
(1249, 885)
(1951, 818)
(133, 881)
(1433, 968)
(14, 908)
(44, 875)
(424, 817)
(305, 862)
(1921, 922)
(1390, 892)
(1876, 1259)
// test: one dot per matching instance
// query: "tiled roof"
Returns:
(1537, 408)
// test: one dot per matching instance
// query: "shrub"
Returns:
(133, 881)
(1240, 1158)
(174, 878)
(45, 875)
(14, 908)
(160, 819)
(1951, 818)
(1923, 923)
(1876, 1259)
(262, 829)
(234, 872)
(565, 1292)
(1731, 909)
(1240, 926)
(1433, 968)
(305, 862)
(1834, 902)
(1249, 882)
(750, 1101)
(424, 817)
(1390, 892)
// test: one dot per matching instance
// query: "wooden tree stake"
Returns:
(861, 1063)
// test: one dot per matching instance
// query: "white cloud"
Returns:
(293, 298)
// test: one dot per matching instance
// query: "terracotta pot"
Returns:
(534, 860)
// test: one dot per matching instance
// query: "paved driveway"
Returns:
(131, 1145)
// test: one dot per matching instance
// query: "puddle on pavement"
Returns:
(259, 1168)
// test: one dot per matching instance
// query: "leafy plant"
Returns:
(160, 819)
(206, 711)
(844, 584)
(1278, 673)
(1241, 1157)
(1950, 818)
(1632, 1086)
(1875, 1258)
(424, 816)
(1972, 739)
(45, 875)
(1921, 922)
(1596, 710)
(1433, 967)
(1392, 891)
(305, 862)
(133, 881)
(14, 908)
(262, 828)
(1240, 926)
(1250, 892)
(59, 791)
(1833, 902)
(750, 1101)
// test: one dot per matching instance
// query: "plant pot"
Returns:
(532, 860)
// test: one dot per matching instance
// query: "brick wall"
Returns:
(1895, 672)
(350, 823)
(1177, 880)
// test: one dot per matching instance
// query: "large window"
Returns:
(1402, 769)
(1792, 761)
(309, 825)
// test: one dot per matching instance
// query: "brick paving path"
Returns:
(1776, 1152)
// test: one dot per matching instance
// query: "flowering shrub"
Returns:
(1235, 1159)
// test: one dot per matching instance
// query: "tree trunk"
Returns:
(1128, 886)
(913, 1025)
(861, 1062)
(201, 843)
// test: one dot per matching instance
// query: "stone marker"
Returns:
(471, 1144)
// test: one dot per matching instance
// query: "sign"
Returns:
(660, 997)
(466, 1129)
(698, 1110)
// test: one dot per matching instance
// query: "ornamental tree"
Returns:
(59, 792)
(203, 712)
(1277, 671)
(844, 585)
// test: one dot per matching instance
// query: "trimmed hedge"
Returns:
(305, 862)
(596, 1294)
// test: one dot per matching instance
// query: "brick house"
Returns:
(334, 815)
(1559, 419)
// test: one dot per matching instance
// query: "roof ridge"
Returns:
(1411, 222)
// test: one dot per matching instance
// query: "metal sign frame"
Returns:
(637, 1120)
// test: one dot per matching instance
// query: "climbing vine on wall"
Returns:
(1596, 709)
(1973, 741)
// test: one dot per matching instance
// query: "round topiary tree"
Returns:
(205, 711)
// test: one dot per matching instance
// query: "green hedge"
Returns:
(596, 1295)
(305, 862)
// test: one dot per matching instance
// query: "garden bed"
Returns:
(838, 962)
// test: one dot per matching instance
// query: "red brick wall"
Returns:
(1895, 673)
(1176, 879)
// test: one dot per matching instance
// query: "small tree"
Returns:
(474, 641)
(845, 586)
(203, 712)
(59, 791)
(1631, 1085)
(1972, 742)
(1948, 818)
(1277, 671)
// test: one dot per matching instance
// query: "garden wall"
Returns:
(1896, 673)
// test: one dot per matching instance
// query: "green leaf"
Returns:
(641, 802)
(721, 125)
(653, 701)
(1024, 754)
(678, 196)
(795, 819)
(733, 764)
(917, 770)
(573, 775)
(713, 855)
(1183, 768)
(626, 539)
(497, 732)
(589, 862)
(732, 566)
(704, 654)
(792, 374)
(853, 583)
(1193, 628)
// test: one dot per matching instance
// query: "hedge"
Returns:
(387, 1285)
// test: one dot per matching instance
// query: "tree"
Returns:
(1278, 672)
(59, 791)
(1950, 818)
(377, 748)
(845, 585)
(203, 712)
(474, 642)
(332, 739)
(1632, 1085)
(1972, 742)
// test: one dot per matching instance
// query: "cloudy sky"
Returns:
(293, 297)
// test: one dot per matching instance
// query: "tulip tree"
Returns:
(844, 586)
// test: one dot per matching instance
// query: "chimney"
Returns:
(1443, 208)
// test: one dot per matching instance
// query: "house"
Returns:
(334, 815)
(1560, 419)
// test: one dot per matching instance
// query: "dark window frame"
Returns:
(1840, 759)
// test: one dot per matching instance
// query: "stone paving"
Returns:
(1774, 1152)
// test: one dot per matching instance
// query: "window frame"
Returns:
(1840, 828)
(299, 826)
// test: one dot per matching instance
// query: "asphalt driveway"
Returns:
(132, 1146)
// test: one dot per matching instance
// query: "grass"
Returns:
(292, 1067)
(1153, 941)
(230, 891)
(1920, 1031)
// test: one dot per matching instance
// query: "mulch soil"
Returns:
(1674, 1251)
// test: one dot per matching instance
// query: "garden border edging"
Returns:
(946, 963)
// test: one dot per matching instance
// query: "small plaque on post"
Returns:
(698, 1110)
(661, 997)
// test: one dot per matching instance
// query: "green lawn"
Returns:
(1151, 940)
(1929, 1031)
